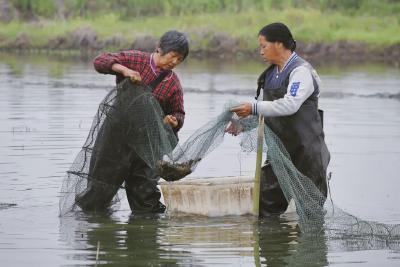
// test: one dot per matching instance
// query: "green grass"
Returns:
(308, 25)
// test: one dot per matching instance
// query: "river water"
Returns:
(46, 108)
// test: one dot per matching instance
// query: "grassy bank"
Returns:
(308, 25)
(343, 30)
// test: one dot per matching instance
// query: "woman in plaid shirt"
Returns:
(140, 181)
(141, 66)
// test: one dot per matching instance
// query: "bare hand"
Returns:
(133, 75)
(243, 110)
(171, 120)
(233, 129)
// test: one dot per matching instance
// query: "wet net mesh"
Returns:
(129, 125)
(316, 213)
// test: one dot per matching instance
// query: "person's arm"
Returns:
(299, 89)
(178, 110)
(121, 64)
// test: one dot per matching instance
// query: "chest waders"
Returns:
(301, 134)
(113, 162)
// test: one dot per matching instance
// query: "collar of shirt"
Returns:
(153, 64)
(154, 68)
(292, 57)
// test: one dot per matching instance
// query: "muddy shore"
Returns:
(85, 41)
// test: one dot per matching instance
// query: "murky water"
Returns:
(46, 107)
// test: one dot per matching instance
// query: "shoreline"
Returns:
(322, 35)
(85, 42)
(342, 52)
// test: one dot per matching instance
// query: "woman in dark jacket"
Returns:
(290, 107)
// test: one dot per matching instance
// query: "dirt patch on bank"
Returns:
(350, 52)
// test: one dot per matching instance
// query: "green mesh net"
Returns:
(129, 126)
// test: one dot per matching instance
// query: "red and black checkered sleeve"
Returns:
(176, 102)
(103, 63)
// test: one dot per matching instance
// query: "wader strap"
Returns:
(261, 81)
(159, 79)
(321, 115)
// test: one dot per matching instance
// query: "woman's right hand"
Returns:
(134, 76)
(243, 110)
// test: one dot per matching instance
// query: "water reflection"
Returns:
(150, 240)
(282, 244)
(131, 243)
(159, 240)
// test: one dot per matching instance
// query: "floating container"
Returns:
(216, 196)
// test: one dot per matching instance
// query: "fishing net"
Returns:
(129, 127)
(317, 214)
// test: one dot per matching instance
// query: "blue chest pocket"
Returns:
(293, 89)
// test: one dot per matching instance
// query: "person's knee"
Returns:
(272, 199)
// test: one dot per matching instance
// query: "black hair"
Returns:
(174, 41)
(278, 32)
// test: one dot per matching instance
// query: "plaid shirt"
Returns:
(168, 92)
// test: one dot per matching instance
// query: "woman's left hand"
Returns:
(171, 120)
(243, 110)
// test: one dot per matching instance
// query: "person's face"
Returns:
(170, 60)
(268, 51)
